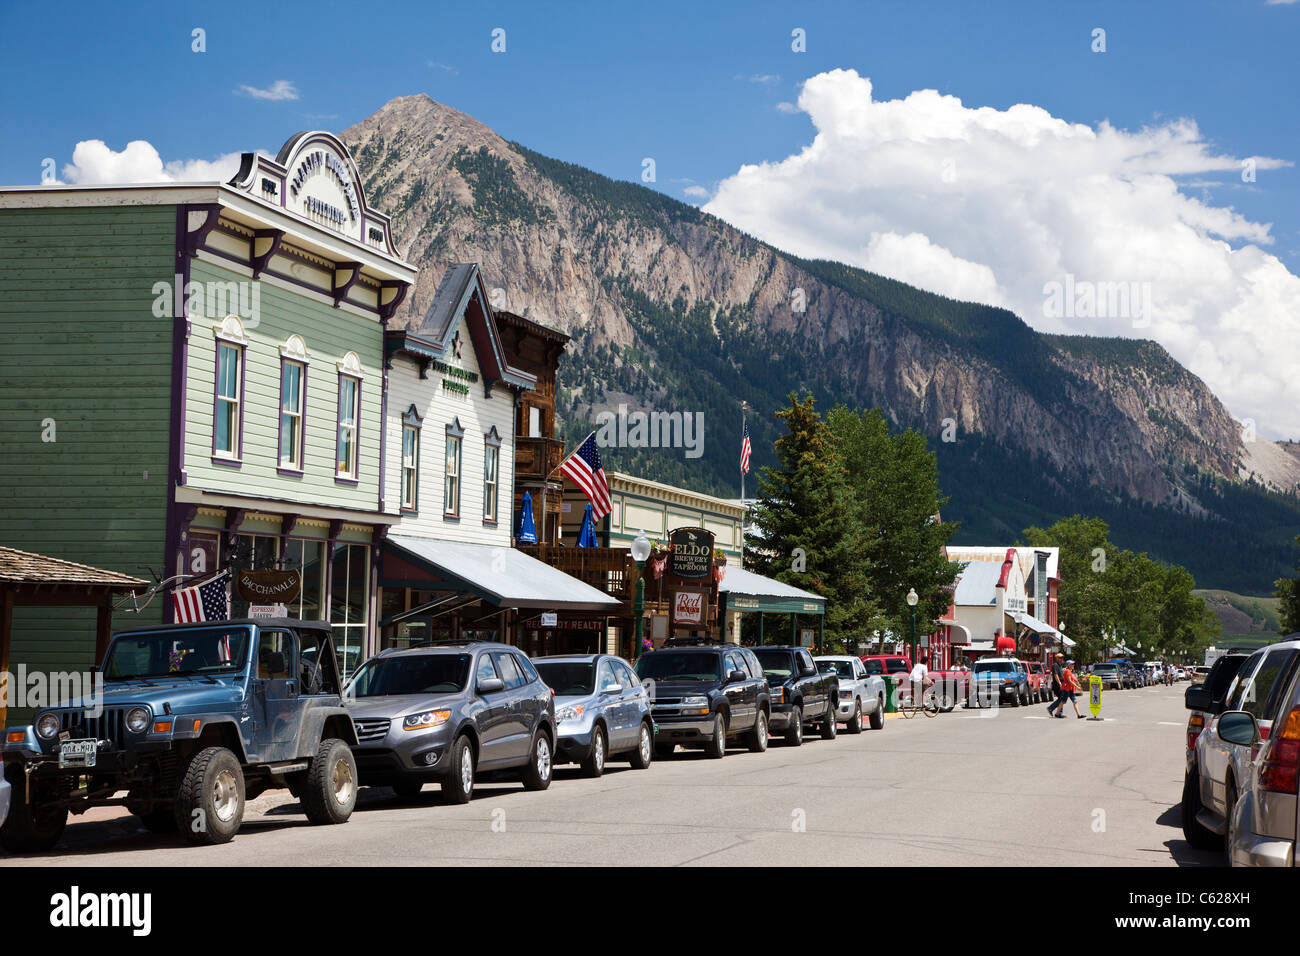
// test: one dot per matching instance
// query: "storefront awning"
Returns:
(747, 591)
(504, 577)
(1034, 624)
(958, 633)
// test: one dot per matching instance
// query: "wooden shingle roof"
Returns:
(23, 567)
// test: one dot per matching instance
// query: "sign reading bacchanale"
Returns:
(688, 607)
(692, 554)
(268, 587)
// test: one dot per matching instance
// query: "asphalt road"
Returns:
(995, 788)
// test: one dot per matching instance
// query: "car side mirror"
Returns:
(491, 685)
(1196, 698)
(736, 676)
(612, 689)
(1238, 727)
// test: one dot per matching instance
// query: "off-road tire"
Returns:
(206, 771)
(25, 831)
(331, 791)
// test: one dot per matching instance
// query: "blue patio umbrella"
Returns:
(527, 532)
(587, 534)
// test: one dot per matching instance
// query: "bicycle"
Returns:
(907, 705)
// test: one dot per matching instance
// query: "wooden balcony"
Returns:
(536, 458)
(611, 570)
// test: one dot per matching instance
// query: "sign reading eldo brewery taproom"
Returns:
(692, 553)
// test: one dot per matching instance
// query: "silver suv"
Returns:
(601, 710)
(445, 711)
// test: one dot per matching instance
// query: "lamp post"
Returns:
(640, 551)
(911, 603)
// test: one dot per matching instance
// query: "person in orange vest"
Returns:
(1070, 686)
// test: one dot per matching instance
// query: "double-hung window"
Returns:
(349, 414)
(292, 389)
(228, 398)
(411, 460)
(491, 470)
(451, 474)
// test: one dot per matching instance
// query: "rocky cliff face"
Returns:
(663, 300)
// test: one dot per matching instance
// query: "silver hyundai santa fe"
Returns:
(444, 712)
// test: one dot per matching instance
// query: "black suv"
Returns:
(704, 693)
(800, 692)
(444, 711)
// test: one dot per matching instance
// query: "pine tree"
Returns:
(1287, 591)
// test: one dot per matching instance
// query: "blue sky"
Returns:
(698, 87)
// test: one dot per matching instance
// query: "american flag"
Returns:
(584, 469)
(746, 449)
(202, 602)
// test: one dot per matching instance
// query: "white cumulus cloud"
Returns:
(998, 206)
(95, 163)
(279, 90)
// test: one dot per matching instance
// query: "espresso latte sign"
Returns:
(692, 554)
(268, 587)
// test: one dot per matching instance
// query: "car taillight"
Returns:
(1280, 771)
(1195, 724)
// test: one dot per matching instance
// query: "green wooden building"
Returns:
(192, 377)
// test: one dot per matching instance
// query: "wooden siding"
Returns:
(79, 344)
(329, 335)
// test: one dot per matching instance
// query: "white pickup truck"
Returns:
(860, 693)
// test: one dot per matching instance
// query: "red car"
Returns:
(888, 664)
(1040, 682)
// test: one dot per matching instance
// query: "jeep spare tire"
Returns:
(210, 799)
(331, 790)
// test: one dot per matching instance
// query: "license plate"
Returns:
(78, 753)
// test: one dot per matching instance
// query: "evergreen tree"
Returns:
(1287, 591)
(804, 520)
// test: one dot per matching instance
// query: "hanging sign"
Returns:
(268, 586)
(688, 607)
(692, 553)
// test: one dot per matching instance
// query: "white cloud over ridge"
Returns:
(95, 163)
(994, 205)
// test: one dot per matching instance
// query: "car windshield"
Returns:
(841, 668)
(190, 650)
(568, 678)
(993, 667)
(775, 663)
(1103, 668)
(669, 666)
(411, 674)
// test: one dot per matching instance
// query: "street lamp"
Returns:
(911, 603)
(640, 551)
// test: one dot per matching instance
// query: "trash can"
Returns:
(891, 688)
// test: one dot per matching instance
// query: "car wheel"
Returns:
(758, 736)
(459, 786)
(593, 765)
(210, 800)
(794, 733)
(717, 745)
(28, 828)
(537, 772)
(1230, 811)
(331, 791)
(645, 748)
(408, 789)
(854, 724)
(1196, 834)
(830, 726)
(878, 715)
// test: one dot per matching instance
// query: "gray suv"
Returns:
(601, 710)
(445, 711)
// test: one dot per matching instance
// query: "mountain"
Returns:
(671, 309)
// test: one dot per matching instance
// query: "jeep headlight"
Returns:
(47, 725)
(425, 720)
(568, 713)
(137, 720)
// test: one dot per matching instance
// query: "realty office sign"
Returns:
(692, 554)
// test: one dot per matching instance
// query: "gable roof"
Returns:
(977, 586)
(461, 297)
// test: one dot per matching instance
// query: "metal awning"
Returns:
(504, 577)
(747, 591)
(959, 633)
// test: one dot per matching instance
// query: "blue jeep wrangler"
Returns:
(194, 720)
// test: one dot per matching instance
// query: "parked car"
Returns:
(1040, 683)
(193, 721)
(704, 694)
(1127, 673)
(601, 711)
(860, 692)
(800, 693)
(1210, 698)
(1265, 823)
(445, 711)
(1199, 674)
(888, 665)
(1220, 766)
(1110, 674)
(999, 680)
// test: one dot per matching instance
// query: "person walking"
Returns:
(1058, 672)
(1070, 686)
